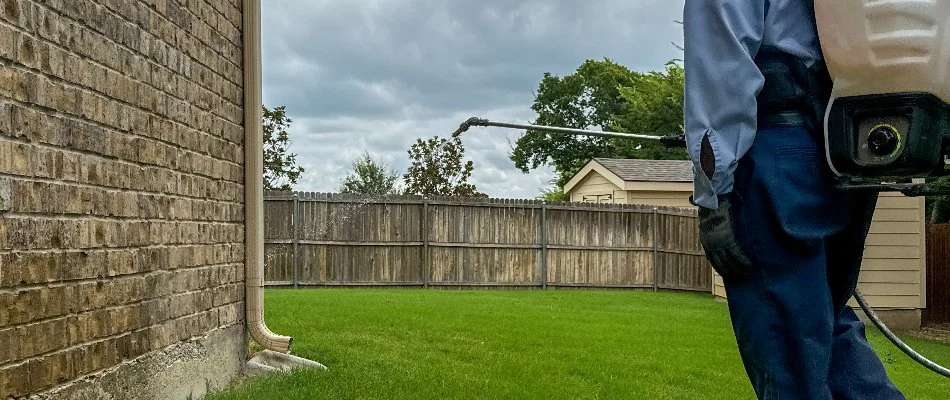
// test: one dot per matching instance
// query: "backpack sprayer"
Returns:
(887, 122)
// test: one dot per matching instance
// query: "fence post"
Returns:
(544, 245)
(424, 232)
(296, 226)
(656, 248)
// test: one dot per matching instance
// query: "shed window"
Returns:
(598, 198)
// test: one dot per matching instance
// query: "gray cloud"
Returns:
(378, 74)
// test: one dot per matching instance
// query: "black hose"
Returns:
(897, 342)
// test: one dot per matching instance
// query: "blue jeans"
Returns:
(797, 337)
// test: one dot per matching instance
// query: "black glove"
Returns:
(717, 235)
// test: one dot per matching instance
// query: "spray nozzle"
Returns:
(474, 121)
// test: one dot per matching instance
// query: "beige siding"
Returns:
(719, 290)
(597, 185)
(894, 260)
(892, 274)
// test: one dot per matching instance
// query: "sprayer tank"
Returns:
(886, 46)
(889, 62)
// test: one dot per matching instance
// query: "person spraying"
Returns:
(797, 113)
(787, 243)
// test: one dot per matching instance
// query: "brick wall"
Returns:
(121, 184)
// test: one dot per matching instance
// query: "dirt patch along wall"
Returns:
(121, 194)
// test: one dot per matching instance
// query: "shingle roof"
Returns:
(649, 170)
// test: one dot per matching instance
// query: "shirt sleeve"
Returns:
(721, 39)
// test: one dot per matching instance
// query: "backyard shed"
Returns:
(893, 277)
(618, 181)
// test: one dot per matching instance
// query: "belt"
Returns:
(782, 119)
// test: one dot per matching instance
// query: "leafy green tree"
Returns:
(370, 177)
(436, 169)
(653, 104)
(280, 167)
(938, 207)
(554, 194)
(586, 99)
(602, 95)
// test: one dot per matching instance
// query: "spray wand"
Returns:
(674, 140)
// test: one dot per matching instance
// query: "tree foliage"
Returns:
(938, 207)
(281, 171)
(436, 169)
(653, 104)
(370, 177)
(554, 194)
(602, 95)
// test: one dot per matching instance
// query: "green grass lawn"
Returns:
(433, 344)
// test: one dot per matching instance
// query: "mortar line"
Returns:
(132, 247)
(39, 215)
(65, 182)
(16, 291)
(172, 244)
(119, 249)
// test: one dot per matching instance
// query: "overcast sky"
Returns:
(377, 74)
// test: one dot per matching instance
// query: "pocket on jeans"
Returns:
(802, 194)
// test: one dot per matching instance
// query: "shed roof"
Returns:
(649, 170)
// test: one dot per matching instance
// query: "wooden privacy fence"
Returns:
(318, 239)
(938, 275)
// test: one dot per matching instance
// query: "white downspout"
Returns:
(254, 184)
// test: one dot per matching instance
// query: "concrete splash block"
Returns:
(268, 361)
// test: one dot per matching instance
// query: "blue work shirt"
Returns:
(722, 38)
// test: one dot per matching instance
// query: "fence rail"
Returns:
(319, 239)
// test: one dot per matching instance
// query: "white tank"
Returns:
(886, 46)
(895, 52)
